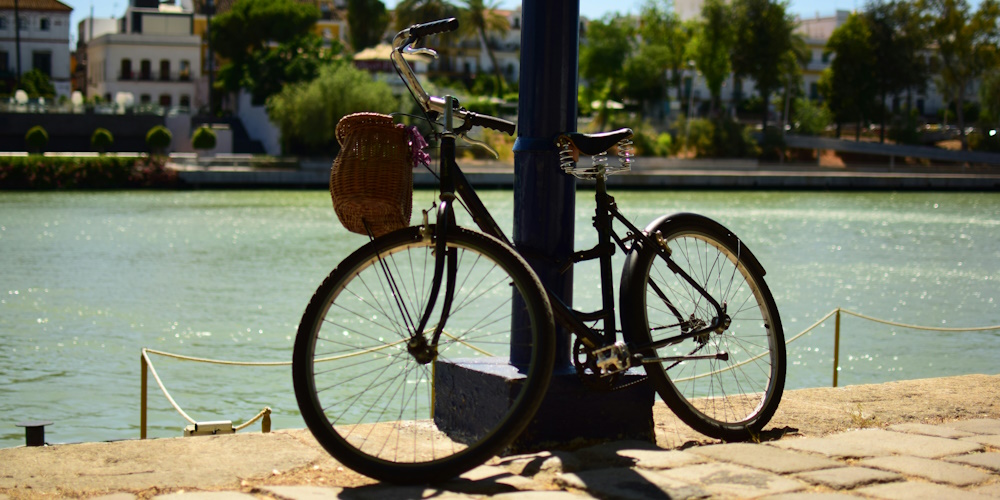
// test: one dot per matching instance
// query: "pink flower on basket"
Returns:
(417, 145)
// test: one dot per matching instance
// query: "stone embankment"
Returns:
(931, 438)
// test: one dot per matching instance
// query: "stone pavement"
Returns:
(901, 455)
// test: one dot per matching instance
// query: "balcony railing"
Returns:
(173, 76)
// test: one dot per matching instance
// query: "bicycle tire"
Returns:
(368, 401)
(731, 399)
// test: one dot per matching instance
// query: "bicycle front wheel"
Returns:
(725, 383)
(377, 400)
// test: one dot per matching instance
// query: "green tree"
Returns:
(37, 84)
(664, 39)
(203, 138)
(989, 96)
(307, 112)
(711, 46)
(602, 59)
(410, 12)
(101, 140)
(268, 44)
(895, 40)
(847, 85)
(158, 139)
(763, 36)
(967, 47)
(36, 139)
(482, 18)
(366, 22)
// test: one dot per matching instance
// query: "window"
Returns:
(185, 101)
(4, 61)
(164, 70)
(42, 61)
(826, 57)
(43, 24)
(185, 73)
(23, 23)
(145, 70)
(3, 23)
(145, 99)
(814, 91)
(165, 100)
(126, 70)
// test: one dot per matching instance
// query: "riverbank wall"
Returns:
(650, 173)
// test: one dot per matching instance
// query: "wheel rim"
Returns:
(729, 393)
(378, 399)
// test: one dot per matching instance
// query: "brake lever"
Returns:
(481, 144)
(420, 51)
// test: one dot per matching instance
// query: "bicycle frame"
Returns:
(453, 181)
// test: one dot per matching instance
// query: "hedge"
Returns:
(105, 172)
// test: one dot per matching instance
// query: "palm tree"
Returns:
(481, 18)
(410, 12)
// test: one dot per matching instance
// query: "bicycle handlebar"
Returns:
(401, 45)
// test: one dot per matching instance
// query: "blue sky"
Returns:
(589, 8)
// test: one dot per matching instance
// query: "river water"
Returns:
(89, 279)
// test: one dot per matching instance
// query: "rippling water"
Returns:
(88, 279)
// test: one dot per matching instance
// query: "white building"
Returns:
(153, 55)
(43, 38)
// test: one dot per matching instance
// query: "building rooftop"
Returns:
(50, 5)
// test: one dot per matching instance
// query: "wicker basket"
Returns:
(372, 178)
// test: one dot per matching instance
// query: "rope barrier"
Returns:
(266, 412)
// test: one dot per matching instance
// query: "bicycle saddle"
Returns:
(594, 144)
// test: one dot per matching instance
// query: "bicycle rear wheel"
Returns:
(373, 402)
(731, 382)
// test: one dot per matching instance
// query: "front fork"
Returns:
(445, 260)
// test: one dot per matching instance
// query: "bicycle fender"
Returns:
(686, 219)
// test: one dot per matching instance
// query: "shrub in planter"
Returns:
(36, 139)
(158, 139)
(101, 139)
(203, 138)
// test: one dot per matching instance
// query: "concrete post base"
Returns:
(477, 391)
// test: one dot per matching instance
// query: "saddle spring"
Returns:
(600, 165)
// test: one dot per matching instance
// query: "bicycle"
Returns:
(392, 327)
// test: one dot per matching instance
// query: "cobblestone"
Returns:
(932, 470)
(845, 478)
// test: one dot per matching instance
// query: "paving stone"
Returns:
(991, 440)
(303, 492)
(555, 462)
(933, 470)
(113, 496)
(878, 442)
(990, 490)
(846, 478)
(205, 495)
(769, 458)
(490, 480)
(538, 495)
(976, 426)
(919, 491)
(930, 430)
(630, 484)
(812, 495)
(606, 455)
(661, 459)
(985, 460)
(731, 480)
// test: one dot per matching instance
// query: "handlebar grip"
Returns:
(434, 27)
(498, 124)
